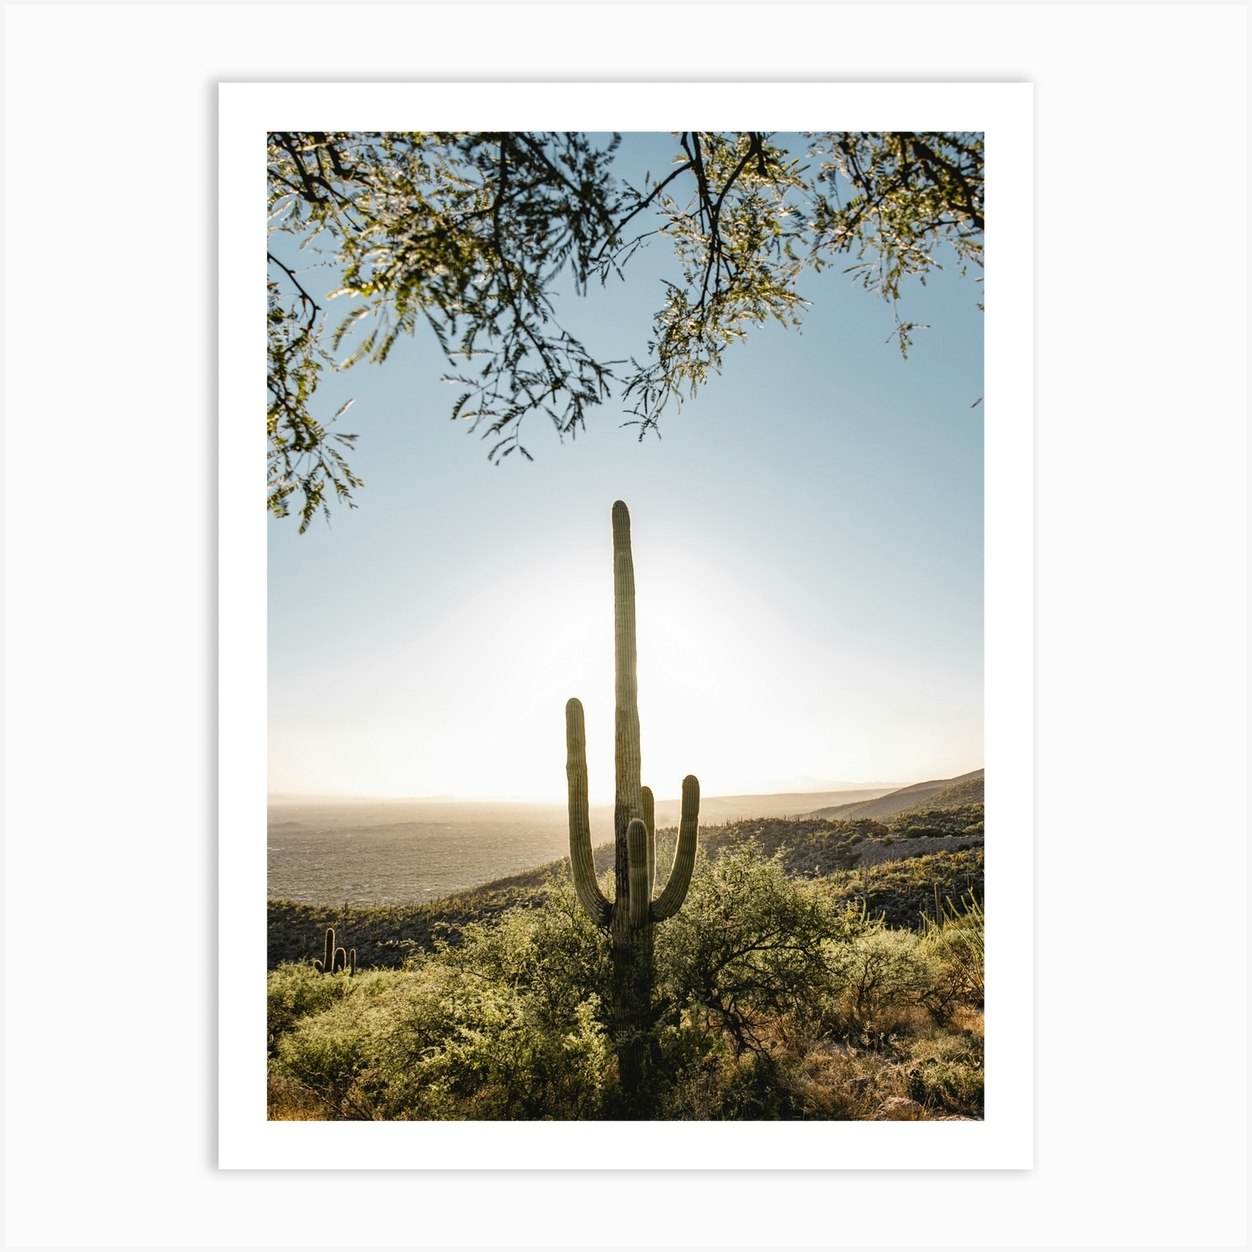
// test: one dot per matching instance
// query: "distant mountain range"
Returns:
(938, 793)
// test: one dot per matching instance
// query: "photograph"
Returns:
(741, 616)
(625, 615)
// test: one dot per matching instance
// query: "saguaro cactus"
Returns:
(327, 964)
(630, 917)
(335, 959)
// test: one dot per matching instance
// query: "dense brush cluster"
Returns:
(777, 996)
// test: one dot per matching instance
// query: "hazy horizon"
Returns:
(556, 800)
(449, 798)
(834, 788)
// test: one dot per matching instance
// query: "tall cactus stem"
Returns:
(627, 755)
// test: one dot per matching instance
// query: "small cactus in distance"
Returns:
(334, 959)
(327, 964)
(631, 916)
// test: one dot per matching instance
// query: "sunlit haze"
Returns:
(808, 559)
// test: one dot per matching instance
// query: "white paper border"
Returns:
(1003, 1140)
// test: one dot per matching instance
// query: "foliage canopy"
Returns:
(471, 233)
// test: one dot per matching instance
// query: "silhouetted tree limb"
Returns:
(470, 233)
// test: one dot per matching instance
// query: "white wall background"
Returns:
(110, 601)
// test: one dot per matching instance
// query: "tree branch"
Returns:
(305, 298)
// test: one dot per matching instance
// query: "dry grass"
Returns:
(289, 1101)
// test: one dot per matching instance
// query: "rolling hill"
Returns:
(938, 793)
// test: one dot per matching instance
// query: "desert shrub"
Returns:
(938, 822)
(834, 1082)
(325, 1054)
(954, 942)
(922, 1078)
(883, 976)
(552, 953)
(719, 1084)
(945, 1072)
(503, 1024)
(746, 946)
(289, 1100)
(805, 845)
(508, 1022)
(296, 991)
(903, 891)
(463, 1046)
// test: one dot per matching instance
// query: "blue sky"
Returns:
(808, 539)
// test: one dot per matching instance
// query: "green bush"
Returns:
(552, 953)
(945, 1073)
(326, 1053)
(882, 975)
(293, 992)
(955, 944)
(461, 1046)
(746, 948)
(297, 991)
(903, 891)
(503, 1025)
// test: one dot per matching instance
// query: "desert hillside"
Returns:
(938, 793)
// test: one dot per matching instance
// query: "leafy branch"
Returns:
(469, 234)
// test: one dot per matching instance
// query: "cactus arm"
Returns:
(637, 854)
(648, 806)
(671, 899)
(581, 861)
